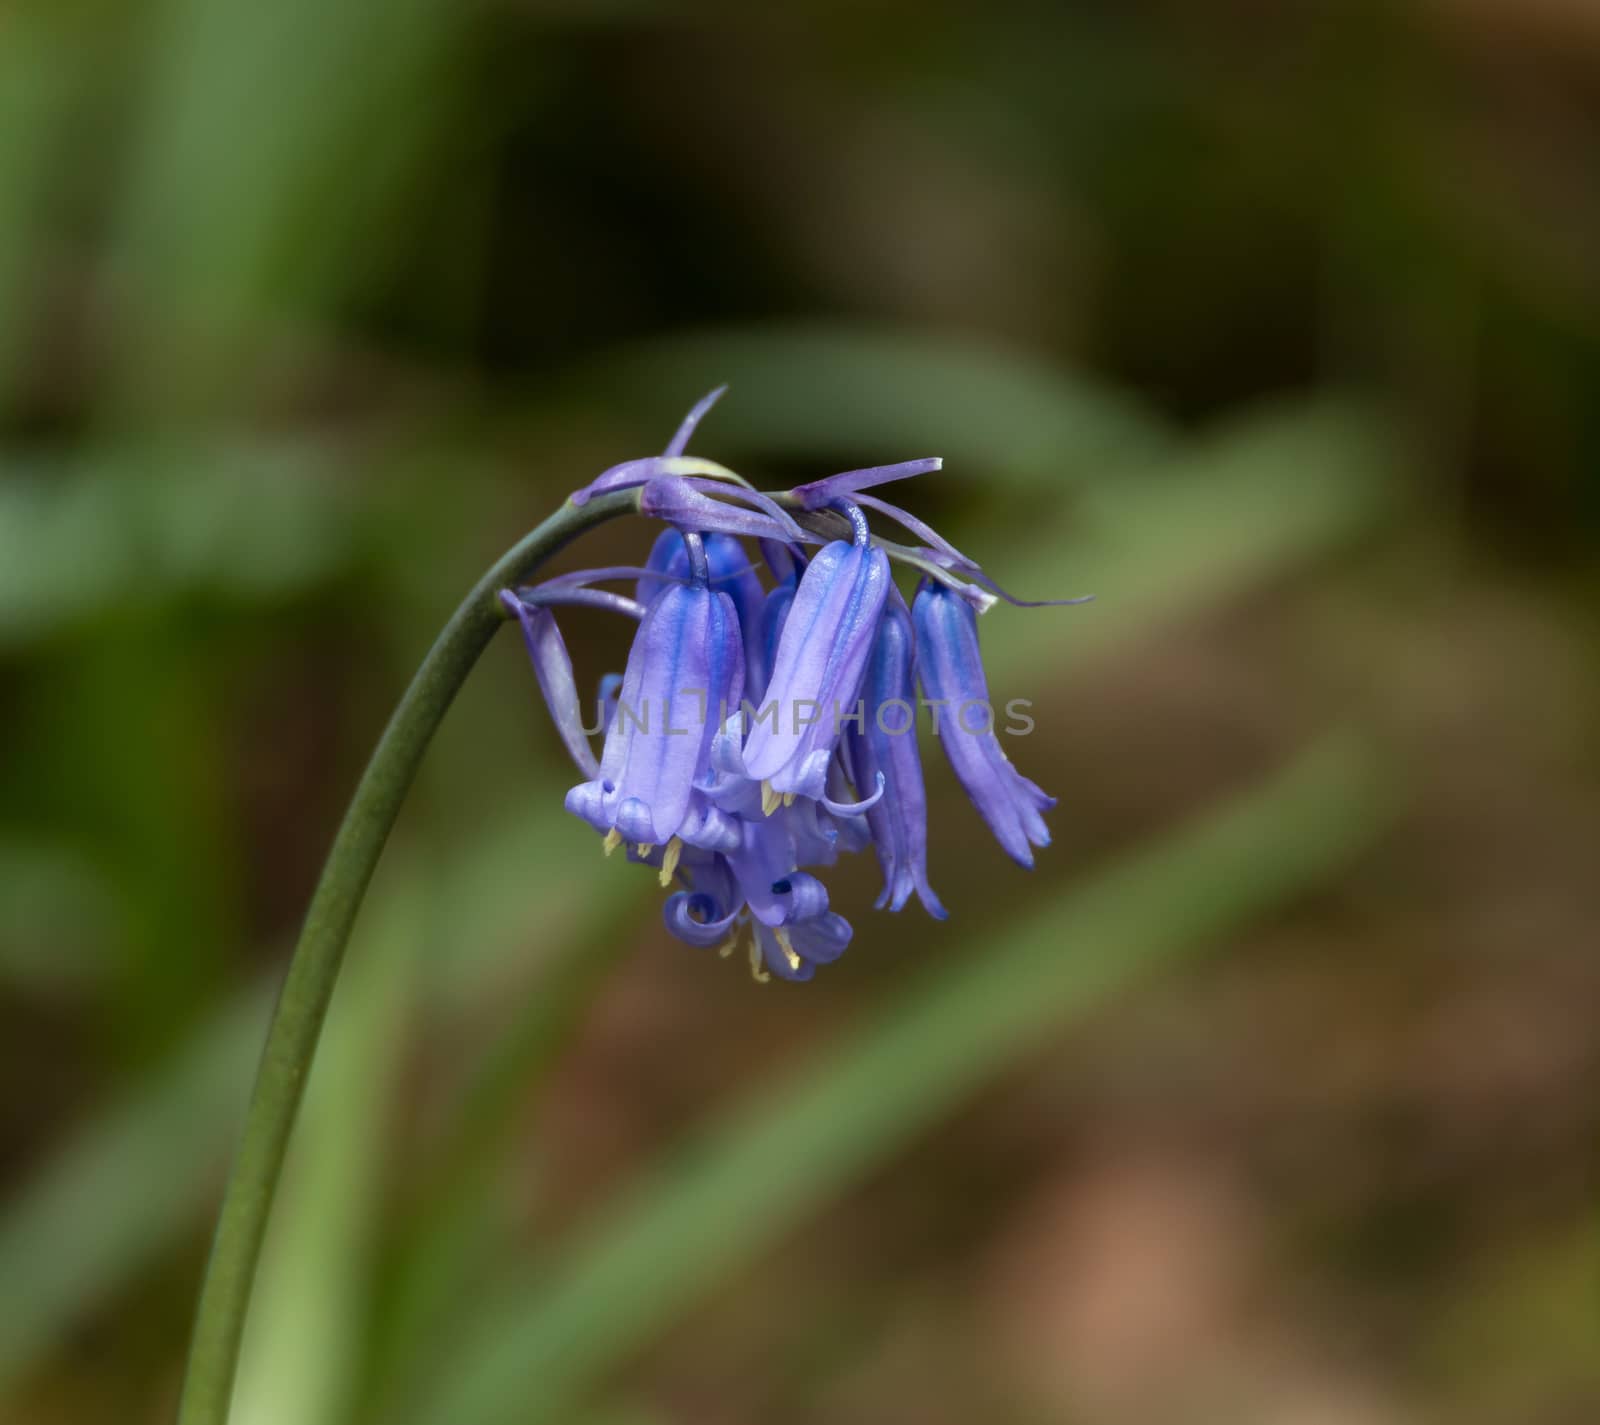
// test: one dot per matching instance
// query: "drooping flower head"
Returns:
(756, 734)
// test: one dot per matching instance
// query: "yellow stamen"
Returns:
(770, 800)
(728, 946)
(788, 798)
(757, 974)
(646, 847)
(669, 861)
(612, 841)
(782, 937)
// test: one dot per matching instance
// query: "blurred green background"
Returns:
(1270, 1096)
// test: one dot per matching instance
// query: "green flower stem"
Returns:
(297, 1021)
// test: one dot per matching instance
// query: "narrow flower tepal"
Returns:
(884, 744)
(953, 677)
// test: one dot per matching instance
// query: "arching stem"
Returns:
(314, 969)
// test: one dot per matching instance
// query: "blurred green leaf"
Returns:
(851, 392)
(128, 1183)
(458, 1221)
(56, 916)
(37, 83)
(538, 1344)
(308, 1316)
(278, 139)
(517, 888)
(1256, 499)
(136, 527)
(479, 924)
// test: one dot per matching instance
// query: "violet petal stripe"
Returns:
(951, 669)
(553, 667)
(820, 493)
(821, 655)
(731, 573)
(688, 648)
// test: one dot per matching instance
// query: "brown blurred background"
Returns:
(1268, 1098)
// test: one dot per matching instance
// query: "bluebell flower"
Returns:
(818, 666)
(759, 733)
(884, 743)
(951, 670)
(687, 661)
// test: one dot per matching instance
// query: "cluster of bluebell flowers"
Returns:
(759, 730)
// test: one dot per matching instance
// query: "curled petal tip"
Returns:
(857, 808)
